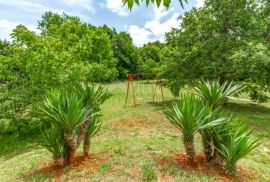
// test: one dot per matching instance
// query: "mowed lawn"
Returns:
(134, 144)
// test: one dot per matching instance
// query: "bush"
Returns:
(54, 142)
(223, 137)
(235, 142)
(73, 114)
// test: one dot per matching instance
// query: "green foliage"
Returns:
(235, 142)
(221, 41)
(66, 50)
(186, 114)
(252, 61)
(65, 110)
(94, 126)
(73, 114)
(153, 57)
(166, 3)
(67, 114)
(53, 141)
(124, 51)
(92, 96)
(215, 95)
(221, 134)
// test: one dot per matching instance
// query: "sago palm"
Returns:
(235, 142)
(186, 114)
(211, 120)
(54, 143)
(92, 130)
(66, 111)
(215, 95)
(92, 97)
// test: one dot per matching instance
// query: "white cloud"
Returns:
(23, 4)
(158, 28)
(6, 28)
(199, 3)
(161, 12)
(139, 35)
(30, 7)
(83, 4)
(116, 6)
(155, 27)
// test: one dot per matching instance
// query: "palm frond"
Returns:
(215, 95)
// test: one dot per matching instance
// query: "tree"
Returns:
(92, 97)
(150, 57)
(209, 37)
(124, 51)
(213, 96)
(67, 113)
(186, 114)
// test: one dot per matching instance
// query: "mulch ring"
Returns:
(200, 165)
(91, 162)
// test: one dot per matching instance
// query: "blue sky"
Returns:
(144, 24)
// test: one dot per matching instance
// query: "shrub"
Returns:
(74, 116)
(92, 97)
(92, 130)
(54, 142)
(67, 113)
(235, 142)
(186, 115)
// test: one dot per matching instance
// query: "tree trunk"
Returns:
(207, 149)
(216, 159)
(71, 156)
(58, 161)
(190, 149)
(86, 146)
(83, 130)
(72, 146)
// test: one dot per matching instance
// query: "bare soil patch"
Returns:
(200, 165)
(91, 162)
(144, 122)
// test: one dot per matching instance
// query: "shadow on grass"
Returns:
(160, 105)
(248, 108)
(11, 145)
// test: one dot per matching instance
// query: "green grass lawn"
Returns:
(130, 144)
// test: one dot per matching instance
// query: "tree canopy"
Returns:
(216, 41)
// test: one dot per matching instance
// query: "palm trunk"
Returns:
(83, 131)
(57, 161)
(190, 149)
(86, 146)
(71, 156)
(207, 149)
(217, 160)
(72, 146)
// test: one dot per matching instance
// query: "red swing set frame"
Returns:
(130, 86)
